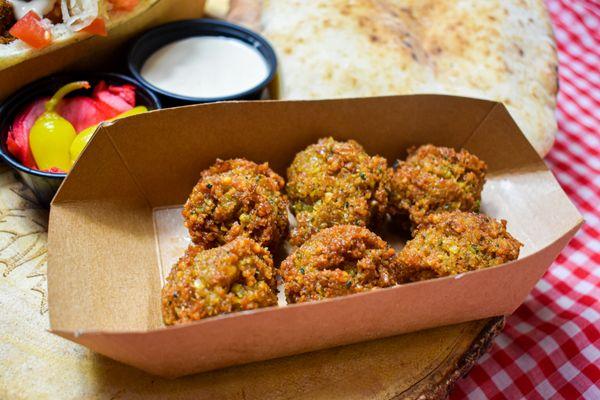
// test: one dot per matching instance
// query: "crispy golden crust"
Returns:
(237, 198)
(436, 179)
(334, 183)
(337, 261)
(449, 243)
(235, 277)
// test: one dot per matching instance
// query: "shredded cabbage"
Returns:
(78, 14)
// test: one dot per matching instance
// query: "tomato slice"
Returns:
(97, 27)
(125, 5)
(31, 30)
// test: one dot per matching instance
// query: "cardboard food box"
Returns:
(97, 53)
(115, 228)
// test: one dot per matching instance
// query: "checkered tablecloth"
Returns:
(550, 348)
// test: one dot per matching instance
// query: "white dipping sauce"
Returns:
(205, 66)
(40, 7)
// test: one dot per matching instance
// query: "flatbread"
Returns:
(500, 50)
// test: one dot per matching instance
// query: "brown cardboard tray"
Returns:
(110, 243)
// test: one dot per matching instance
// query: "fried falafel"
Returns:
(335, 183)
(337, 261)
(436, 179)
(237, 198)
(235, 277)
(450, 243)
(7, 20)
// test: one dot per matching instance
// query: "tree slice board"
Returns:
(35, 364)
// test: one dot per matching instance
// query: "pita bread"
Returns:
(17, 51)
(501, 50)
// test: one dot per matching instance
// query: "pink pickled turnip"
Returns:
(105, 102)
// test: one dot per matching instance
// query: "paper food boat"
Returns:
(107, 247)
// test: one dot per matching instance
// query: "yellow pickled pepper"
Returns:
(51, 135)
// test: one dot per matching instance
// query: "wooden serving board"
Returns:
(35, 364)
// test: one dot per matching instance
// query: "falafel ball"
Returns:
(337, 261)
(7, 20)
(436, 179)
(235, 277)
(237, 198)
(335, 183)
(449, 243)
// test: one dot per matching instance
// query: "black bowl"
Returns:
(45, 184)
(154, 39)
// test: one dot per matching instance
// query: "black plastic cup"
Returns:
(45, 184)
(154, 39)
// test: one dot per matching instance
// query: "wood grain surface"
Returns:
(35, 364)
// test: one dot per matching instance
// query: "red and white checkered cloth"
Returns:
(550, 348)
